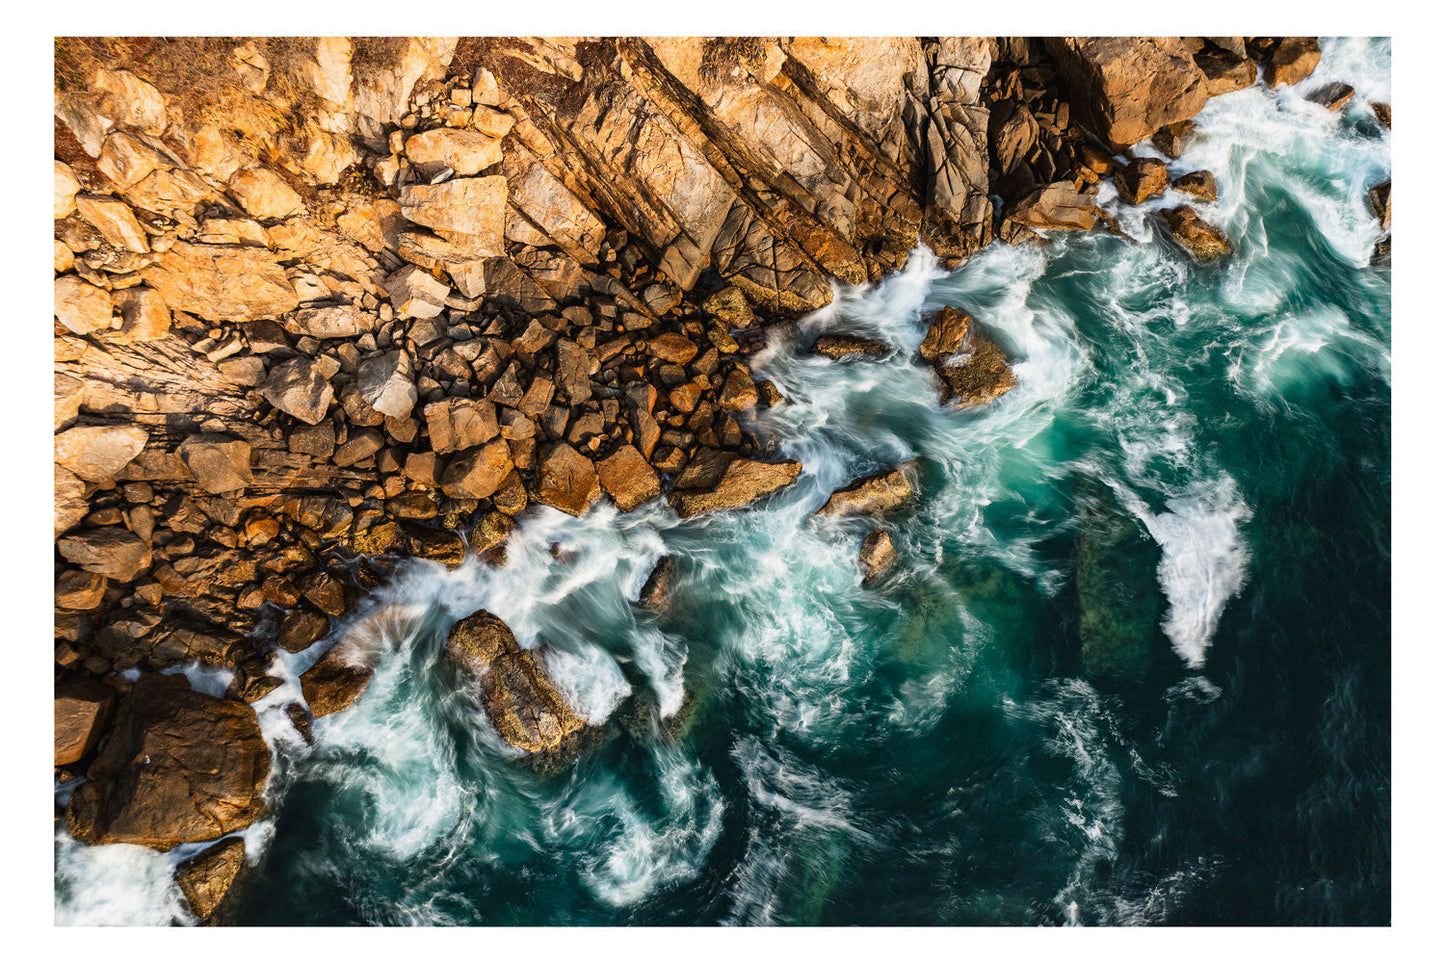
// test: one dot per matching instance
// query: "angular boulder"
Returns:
(299, 388)
(1143, 178)
(264, 194)
(1056, 207)
(466, 152)
(81, 711)
(1200, 239)
(179, 767)
(468, 211)
(220, 463)
(207, 877)
(877, 555)
(873, 495)
(385, 383)
(457, 423)
(1125, 88)
(567, 480)
(522, 703)
(1199, 184)
(841, 346)
(81, 306)
(743, 481)
(479, 472)
(628, 478)
(1294, 59)
(110, 551)
(97, 453)
(337, 679)
(222, 282)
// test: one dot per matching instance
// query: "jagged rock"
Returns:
(1198, 184)
(338, 679)
(299, 388)
(873, 495)
(1143, 178)
(82, 709)
(468, 211)
(479, 472)
(1201, 240)
(741, 483)
(945, 335)
(1225, 70)
(145, 316)
(385, 383)
(1379, 204)
(1333, 96)
(522, 703)
(1125, 88)
(1292, 61)
(840, 346)
(264, 194)
(628, 478)
(437, 545)
(563, 219)
(567, 480)
(80, 306)
(179, 767)
(738, 392)
(220, 463)
(110, 551)
(97, 453)
(656, 593)
(877, 555)
(115, 221)
(416, 294)
(1382, 113)
(79, 591)
(575, 366)
(730, 306)
(466, 152)
(1056, 207)
(1171, 139)
(336, 321)
(207, 877)
(457, 423)
(222, 282)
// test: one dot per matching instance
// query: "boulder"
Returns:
(179, 767)
(1198, 184)
(977, 374)
(220, 463)
(222, 282)
(1171, 139)
(466, 152)
(468, 211)
(264, 195)
(945, 335)
(1201, 240)
(82, 709)
(522, 703)
(115, 221)
(672, 347)
(478, 472)
(840, 346)
(738, 392)
(457, 423)
(335, 321)
(1225, 71)
(1056, 207)
(1382, 113)
(80, 306)
(416, 294)
(1380, 203)
(436, 544)
(66, 187)
(742, 482)
(337, 680)
(207, 877)
(567, 480)
(628, 478)
(656, 592)
(385, 383)
(79, 591)
(1143, 178)
(1333, 96)
(300, 628)
(873, 495)
(877, 555)
(145, 316)
(110, 551)
(1294, 59)
(97, 453)
(299, 388)
(1125, 88)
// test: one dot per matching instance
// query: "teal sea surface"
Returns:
(1132, 665)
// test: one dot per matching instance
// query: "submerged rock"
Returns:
(1118, 589)
(523, 704)
(873, 495)
(178, 767)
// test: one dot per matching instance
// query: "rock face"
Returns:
(873, 495)
(1126, 88)
(1203, 241)
(524, 706)
(206, 878)
(178, 767)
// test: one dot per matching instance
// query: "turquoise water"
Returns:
(1132, 665)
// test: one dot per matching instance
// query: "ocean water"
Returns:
(1132, 666)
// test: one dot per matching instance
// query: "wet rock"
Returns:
(82, 709)
(1171, 139)
(220, 463)
(522, 703)
(656, 592)
(1118, 589)
(840, 346)
(628, 478)
(1201, 240)
(1224, 71)
(111, 551)
(1125, 88)
(301, 628)
(1382, 113)
(1198, 184)
(479, 472)
(877, 555)
(326, 592)
(437, 545)
(742, 482)
(179, 767)
(567, 480)
(873, 495)
(1292, 61)
(1379, 203)
(1333, 96)
(299, 388)
(488, 537)
(97, 453)
(337, 680)
(945, 335)
(206, 878)
(1143, 178)
(970, 367)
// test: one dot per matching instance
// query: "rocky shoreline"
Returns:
(321, 305)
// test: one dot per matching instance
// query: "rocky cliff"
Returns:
(321, 299)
